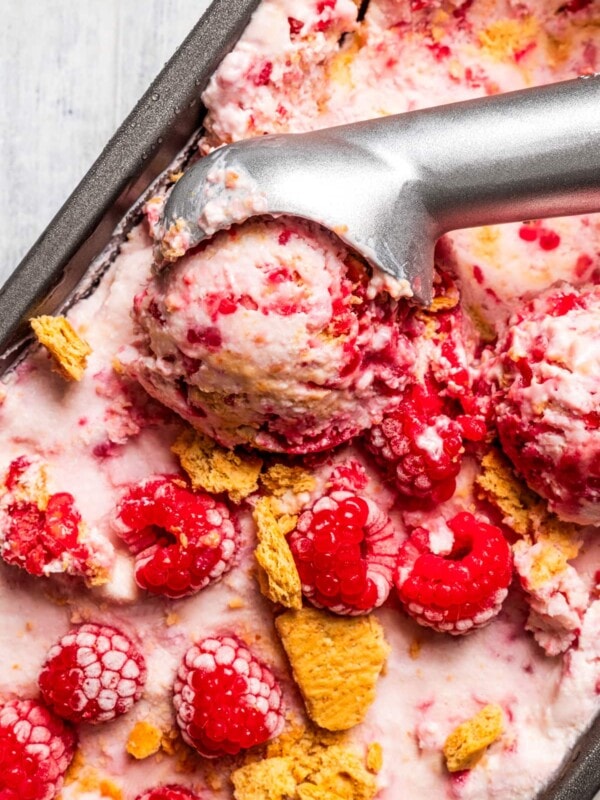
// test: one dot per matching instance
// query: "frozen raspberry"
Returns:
(456, 578)
(420, 446)
(226, 699)
(182, 540)
(345, 551)
(93, 674)
(36, 749)
(548, 380)
(171, 792)
(43, 533)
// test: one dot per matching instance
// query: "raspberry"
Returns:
(547, 374)
(41, 533)
(420, 445)
(93, 674)
(36, 749)
(182, 540)
(454, 580)
(171, 792)
(226, 699)
(345, 551)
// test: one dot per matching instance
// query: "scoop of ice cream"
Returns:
(549, 383)
(271, 334)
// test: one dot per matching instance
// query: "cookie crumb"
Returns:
(214, 469)
(279, 580)
(270, 779)
(467, 743)
(414, 650)
(280, 478)
(172, 618)
(235, 603)
(68, 350)
(335, 662)
(374, 757)
(144, 740)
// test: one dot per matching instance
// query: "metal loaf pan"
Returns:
(84, 238)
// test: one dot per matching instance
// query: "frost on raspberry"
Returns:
(36, 749)
(170, 792)
(225, 698)
(94, 674)
(345, 551)
(454, 579)
(183, 541)
(43, 533)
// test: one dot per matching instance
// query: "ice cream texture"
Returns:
(274, 338)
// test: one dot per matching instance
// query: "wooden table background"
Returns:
(70, 72)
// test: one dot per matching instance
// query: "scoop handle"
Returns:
(504, 158)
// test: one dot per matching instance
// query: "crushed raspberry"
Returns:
(529, 233)
(573, 6)
(344, 548)
(549, 240)
(225, 698)
(93, 674)
(454, 579)
(170, 792)
(209, 337)
(420, 445)
(296, 26)
(264, 75)
(44, 534)
(36, 749)
(183, 541)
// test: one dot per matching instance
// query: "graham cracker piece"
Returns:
(553, 541)
(306, 765)
(280, 478)
(279, 579)
(68, 350)
(144, 740)
(467, 743)
(335, 661)
(214, 469)
(374, 757)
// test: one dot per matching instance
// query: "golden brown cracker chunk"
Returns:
(280, 478)
(214, 469)
(68, 350)
(468, 742)
(144, 740)
(500, 486)
(305, 767)
(374, 757)
(279, 580)
(270, 779)
(335, 661)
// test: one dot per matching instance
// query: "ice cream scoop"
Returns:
(390, 187)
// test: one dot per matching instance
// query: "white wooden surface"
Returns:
(70, 71)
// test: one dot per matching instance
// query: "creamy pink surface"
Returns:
(99, 436)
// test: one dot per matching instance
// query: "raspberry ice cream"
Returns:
(277, 619)
(269, 336)
(549, 389)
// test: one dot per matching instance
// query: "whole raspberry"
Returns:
(36, 749)
(456, 578)
(43, 533)
(170, 792)
(345, 552)
(420, 446)
(547, 376)
(225, 698)
(93, 674)
(182, 540)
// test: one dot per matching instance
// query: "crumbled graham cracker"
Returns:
(144, 740)
(214, 469)
(279, 579)
(68, 350)
(503, 489)
(335, 661)
(414, 649)
(86, 779)
(468, 742)
(374, 757)
(504, 38)
(280, 478)
(306, 766)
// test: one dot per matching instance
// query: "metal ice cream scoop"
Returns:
(390, 187)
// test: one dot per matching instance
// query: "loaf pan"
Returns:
(84, 238)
